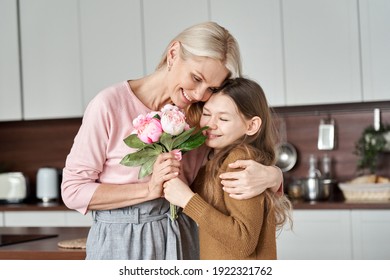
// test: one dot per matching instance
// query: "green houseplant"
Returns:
(371, 143)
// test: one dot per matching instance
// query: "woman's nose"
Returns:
(202, 93)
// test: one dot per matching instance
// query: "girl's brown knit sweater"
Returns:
(232, 229)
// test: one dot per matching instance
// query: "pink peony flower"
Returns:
(148, 129)
(177, 153)
(173, 121)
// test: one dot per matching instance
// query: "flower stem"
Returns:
(173, 210)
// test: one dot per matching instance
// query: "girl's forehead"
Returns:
(222, 103)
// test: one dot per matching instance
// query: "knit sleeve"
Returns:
(239, 227)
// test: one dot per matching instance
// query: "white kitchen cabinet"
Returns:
(375, 48)
(76, 219)
(163, 20)
(1, 219)
(370, 232)
(317, 235)
(50, 49)
(111, 43)
(321, 51)
(46, 218)
(10, 85)
(34, 218)
(257, 27)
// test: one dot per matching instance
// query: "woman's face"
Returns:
(193, 80)
(225, 123)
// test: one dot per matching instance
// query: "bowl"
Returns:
(286, 155)
(316, 189)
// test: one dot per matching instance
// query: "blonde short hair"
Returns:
(211, 40)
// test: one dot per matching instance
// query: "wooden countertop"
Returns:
(39, 206)
(44, 249)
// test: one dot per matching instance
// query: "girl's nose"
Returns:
(212, 123)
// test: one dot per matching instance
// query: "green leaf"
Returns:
(157, 116)
(134, 142)
(192, 144)
(147, 167)
(182, 137)
(140, 157)
(196, 140)
(167, 140)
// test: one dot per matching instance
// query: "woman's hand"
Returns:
(252, 181)
(165, 168)
(177, 192)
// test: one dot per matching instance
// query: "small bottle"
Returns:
(326, 167)
(313, 171)
(311, 184)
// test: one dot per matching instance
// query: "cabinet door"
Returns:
(317, 235)
(34, 218)
(76, 219)
(321, 44)
(50, 58)
(1, 219)
(163, 20)
(10, 94)
(111, 43)
(375, 45)
(371, 231)
(257, 27)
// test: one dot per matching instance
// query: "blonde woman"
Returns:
(130, 216)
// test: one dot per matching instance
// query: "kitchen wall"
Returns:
(28, 145)
(350, 120)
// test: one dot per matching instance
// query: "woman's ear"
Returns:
(254, 125)
(173, 52)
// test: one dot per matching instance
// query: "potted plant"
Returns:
(371, 143)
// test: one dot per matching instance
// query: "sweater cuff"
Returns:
(196, 207)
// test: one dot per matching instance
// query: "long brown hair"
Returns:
(250, 101)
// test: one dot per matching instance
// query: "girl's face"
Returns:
(225, 123)
(193, 80)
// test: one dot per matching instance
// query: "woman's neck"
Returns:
(151, 90)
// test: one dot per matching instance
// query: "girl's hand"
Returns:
(165, 168)
(177, 192)
(252, 181)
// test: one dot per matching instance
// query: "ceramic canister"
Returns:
(47, 184)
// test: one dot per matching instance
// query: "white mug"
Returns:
(47, 184)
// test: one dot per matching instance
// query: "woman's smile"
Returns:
(187, 96)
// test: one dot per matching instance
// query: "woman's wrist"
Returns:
(152, 191)
(277, 181)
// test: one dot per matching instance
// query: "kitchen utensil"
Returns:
(295, 190)
(326, 135)
(13, 187)
(286, 153)
(47, 184)
(315, 189)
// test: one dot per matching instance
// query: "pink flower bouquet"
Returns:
(160, 132)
